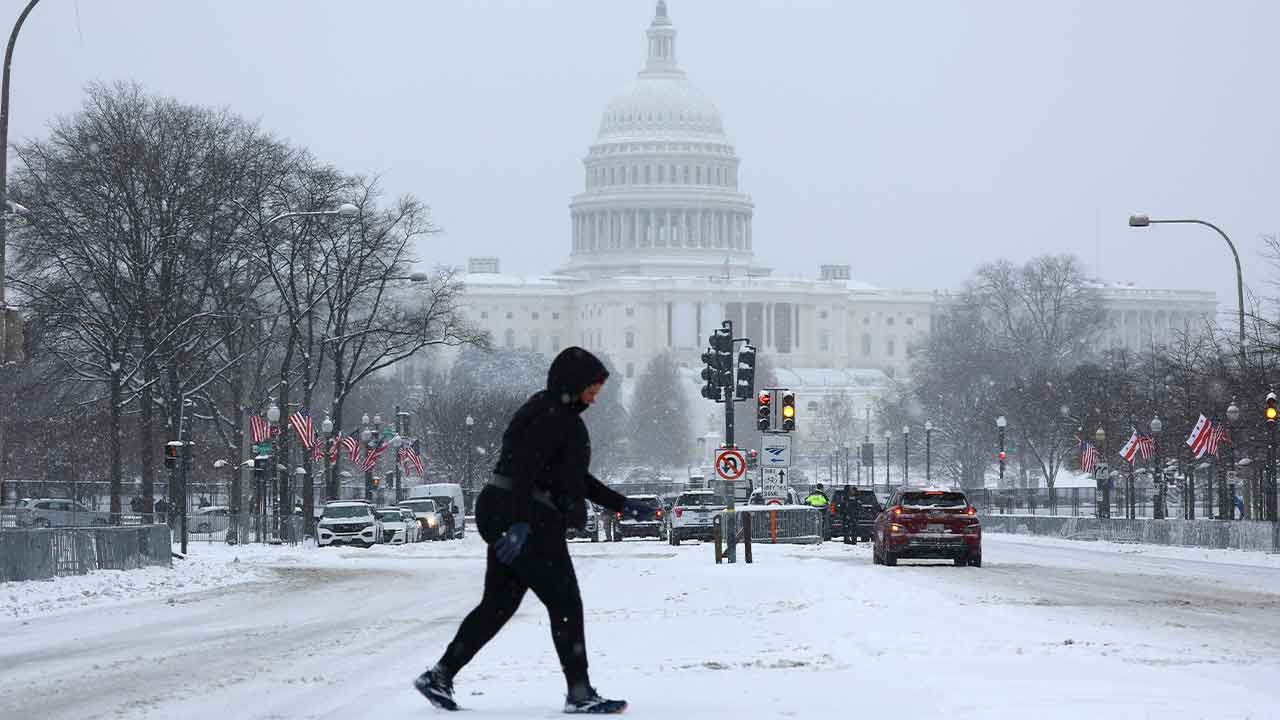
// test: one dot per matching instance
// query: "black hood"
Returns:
(571, 372)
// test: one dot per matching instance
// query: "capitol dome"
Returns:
(661, 194)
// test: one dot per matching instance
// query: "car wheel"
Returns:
(889, 558)
(976, 560)
(675, 539)
(595, 535)
(875, 555)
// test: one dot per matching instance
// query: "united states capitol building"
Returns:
(661, 250)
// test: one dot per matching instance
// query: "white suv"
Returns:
(691, 515)
(352, 522)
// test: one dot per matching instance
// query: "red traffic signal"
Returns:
(171, 456)
(1002, 456)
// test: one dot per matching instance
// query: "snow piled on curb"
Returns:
(205, 568)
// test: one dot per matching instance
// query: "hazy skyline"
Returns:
(912, 142)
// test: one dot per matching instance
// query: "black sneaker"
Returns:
(592, 704)
(437, 687)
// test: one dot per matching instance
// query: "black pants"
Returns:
(544, 567)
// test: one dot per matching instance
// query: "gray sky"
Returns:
(911, 140)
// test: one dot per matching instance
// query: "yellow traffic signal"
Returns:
(788, 411)
(1271, 410)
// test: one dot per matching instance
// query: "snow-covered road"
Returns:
(1046, 629)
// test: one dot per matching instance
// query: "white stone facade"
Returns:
(661, 250)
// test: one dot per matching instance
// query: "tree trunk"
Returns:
(113, 446)
(146, 450)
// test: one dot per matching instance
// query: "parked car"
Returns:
(591, 530)
(928, 523)
(211, 518)
(448, 498)
(647, 524)
(396, 527)
(59, 512)
(692, 514)
(865, 508)
(428, 516)
(350, 522)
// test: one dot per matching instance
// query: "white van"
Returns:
(448, 496)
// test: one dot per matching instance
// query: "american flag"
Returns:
(1088, 456)
(334, 446)
(353, 447)
(317, 451)
(301, 422)
(374, 455)
(259, 428)
(1146, 446)
(1217, 436)
(409, 457)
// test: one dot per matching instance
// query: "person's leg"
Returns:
(552, 579)
(503, 591)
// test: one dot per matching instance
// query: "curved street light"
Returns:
(1141, 221)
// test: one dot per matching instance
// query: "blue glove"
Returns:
(509, 546)
(633, 510)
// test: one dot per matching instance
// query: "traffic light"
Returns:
(1003, 456)
(722, 345)
(764, 410)
(710, 375)
(788, 411)
(753, 459)
(746, 372)
(1271, 411)
(171, 455)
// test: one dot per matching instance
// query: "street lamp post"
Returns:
(1233, 414)
(326, 429)
(928, 451)
(1001, 423)
(273, 419)
(1144, 221)
(1102, 498)
(906, 454)
(1160, 510)
(470, 422)
(887, 436)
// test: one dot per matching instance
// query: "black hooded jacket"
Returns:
(546, 445)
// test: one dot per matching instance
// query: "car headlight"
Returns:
(431, 521)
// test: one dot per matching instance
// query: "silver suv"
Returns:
(59, 512)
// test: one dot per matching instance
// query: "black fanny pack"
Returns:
(539, 495)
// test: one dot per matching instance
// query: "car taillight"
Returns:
(679, 511)
(831, 509)
(658, 514)
(971, 510)
(895, 527)
(897, 511)
(618, 515)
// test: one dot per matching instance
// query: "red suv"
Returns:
(928, 523)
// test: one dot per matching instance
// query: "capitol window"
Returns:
(484, 315)
(866, 321)
(647, 174)
(888, 321)
(555, 316)
(509, 339)
(631, 369)
(889, 348)
(824, 341)
(533, 342)
(631, 312)
(911, 321)
(555, 343)
(866, 344)
(631, 339)
(535, 314)
(822, 314)
(510, 314)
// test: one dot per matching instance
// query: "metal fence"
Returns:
(1222, 534)
(775, 524)
(39, 554)
(1083, 502)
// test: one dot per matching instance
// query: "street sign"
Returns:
(775, 451)
(262, 448)
(730, 464)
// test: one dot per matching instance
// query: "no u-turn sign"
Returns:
(730, 464)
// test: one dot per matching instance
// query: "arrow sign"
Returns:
(730, 464)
